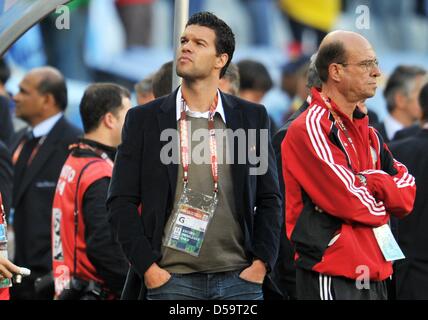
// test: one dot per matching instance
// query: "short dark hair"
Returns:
(224, 37)
(162, 80)
(401, 80)
(253, 75)
(4, 71)
(56, 86)
(423, 101)
(99, 99)
(333, 52)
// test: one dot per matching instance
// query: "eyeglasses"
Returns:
(367, 65)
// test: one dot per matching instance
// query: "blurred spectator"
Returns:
(6, 125)
(229, 83)
(254, 82)
(394, 17)
(38, 157)
(407, 132)
(98, 261)
(401, 94)
(65, 47)
(136, 16)
(290, 75)
(411, 273)
(196, 6)
(261, 23)
(314, 15)
(259, 17)
(162, 80)
(283, 276)
(301, 91)
(291, 72)
(144, 90)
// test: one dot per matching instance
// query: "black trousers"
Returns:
(315, 286)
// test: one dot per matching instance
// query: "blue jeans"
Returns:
(207, 286)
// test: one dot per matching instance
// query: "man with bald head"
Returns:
(39, 154)
(342, 182)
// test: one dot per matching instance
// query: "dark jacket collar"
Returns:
(110, 151)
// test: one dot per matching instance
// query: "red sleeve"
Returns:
(320, 168)
(4, 294)
(397, 192)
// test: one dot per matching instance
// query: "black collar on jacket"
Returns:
(110, 151)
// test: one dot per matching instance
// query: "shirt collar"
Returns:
(44, 127)
(391, 126)
(196, 114)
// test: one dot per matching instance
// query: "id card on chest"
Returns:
(190, 221)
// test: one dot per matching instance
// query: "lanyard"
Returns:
(184, 143)
(98, 152)
(36, 149)
(341, 127)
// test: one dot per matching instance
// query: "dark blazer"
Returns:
(6, 127)
(6, 176)
(412, 236)
(407, 132)
(33, 197)
(283, 277)
(139, 177)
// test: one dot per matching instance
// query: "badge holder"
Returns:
(387, 243)
(4, 282)
(190, 221)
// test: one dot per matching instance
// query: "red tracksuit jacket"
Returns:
(319, 164)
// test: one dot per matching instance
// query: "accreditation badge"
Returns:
(190, 222)
(387, 244)
(3, 232)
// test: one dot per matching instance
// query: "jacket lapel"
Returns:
(167, 119)
(234, 121)
(41, 157)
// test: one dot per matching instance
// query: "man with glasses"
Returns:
(342, 183)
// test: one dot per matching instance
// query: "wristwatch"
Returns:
(362, 178)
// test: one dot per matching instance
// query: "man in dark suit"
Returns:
(6, 177)
(401, 94)
(411, 274)
(38, 158)
(6, 128)
(283, 277)
(241, 241)
(407, 132)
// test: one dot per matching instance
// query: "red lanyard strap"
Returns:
(342, 127)
(184, 143)
(97, 151)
